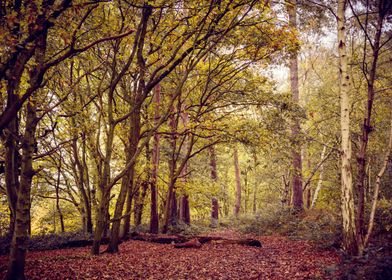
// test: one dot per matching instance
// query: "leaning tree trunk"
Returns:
(127, 185)
(295, 129)
(347, 199)
(237, 205)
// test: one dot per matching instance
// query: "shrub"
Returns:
(320, 226)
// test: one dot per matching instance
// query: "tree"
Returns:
(237, 205)
(347, 197)
(295, 129)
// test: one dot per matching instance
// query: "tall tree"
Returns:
(295, 128)
(380, 10)
(214, 178)
(237, 204)
(347, 198)
(154, 219)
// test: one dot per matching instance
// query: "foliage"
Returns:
(321, 227)
(278, 258)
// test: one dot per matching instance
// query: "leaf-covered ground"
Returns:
(279, 258)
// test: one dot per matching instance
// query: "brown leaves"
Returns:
(279, 258)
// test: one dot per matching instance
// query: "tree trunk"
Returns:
(377, 188)
(295, 129)
(320, 180)
(139, 204)
(101, 221)
(154, 220)
(237, 206)
(255, 187)
(170, 215)
(127, 184)
(184, 210)
(366, 130)
(214, 178)
(58, 198)
(115, 231)
(90, 197)
(12, 165)
(22, 223)
(348, 216)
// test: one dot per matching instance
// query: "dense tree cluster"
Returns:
(125, 113)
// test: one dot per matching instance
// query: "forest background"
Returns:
(178, 116)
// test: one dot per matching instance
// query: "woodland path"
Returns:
(279, 258)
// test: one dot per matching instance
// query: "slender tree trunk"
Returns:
(320, 180)
(237, 206)
(115, 231)
(255, 187)
(79, 169)
(58, 208)
(170, 215)
(214, 178)
(366, 130)
(89, 202)
(377, 188)
(127, 185)
(246, 192)
(102, 219)
(295, 129)
(348, 215)
(184, 202)
(135, 136)
(154, 220)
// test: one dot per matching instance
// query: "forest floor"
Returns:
(278, 258)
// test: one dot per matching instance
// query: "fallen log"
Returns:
(82, 243)
(246, 242)
(193, 243)
(182, 241)
(161, 239)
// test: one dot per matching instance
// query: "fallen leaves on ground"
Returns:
(279, 258)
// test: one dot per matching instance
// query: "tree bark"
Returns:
(127, 185)
(255, 187)
(320, 179)
(296, 128)
(154, 220)
(58, 208)
(214, 178)
(170, 215)
(12, 165)
(366, 130)
(22, 222)
(347, 199)
(377, 188)
(237, 206)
